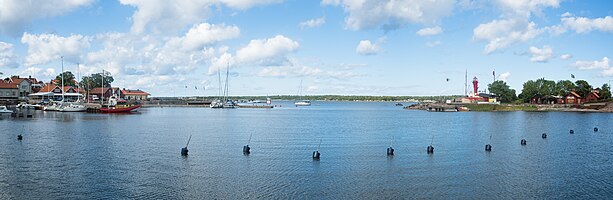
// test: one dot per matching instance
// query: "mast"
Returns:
(78, 84)
(227, 77)
(219, 81)
(102, 92)
(62, 74)
(466, 83)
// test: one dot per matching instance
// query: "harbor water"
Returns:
(117, 156)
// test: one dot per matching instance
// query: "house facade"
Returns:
(8, 91)
(134, 94)
(572, 98)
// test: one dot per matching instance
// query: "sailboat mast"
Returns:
(62, 74)
(227, 77)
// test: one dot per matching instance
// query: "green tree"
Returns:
(95, 80)
(69, 79)
(583, 87)
(502, 90)
(605, 91)
(529, 89)
(565, 86)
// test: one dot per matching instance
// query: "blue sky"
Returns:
(349, 47)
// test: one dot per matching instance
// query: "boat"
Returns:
(72, 107)
(301, 102)
(120, 106)
(399, 104)
(4, 110)
(52, 106)
(219, 103)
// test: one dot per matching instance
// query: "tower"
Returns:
(475, 85)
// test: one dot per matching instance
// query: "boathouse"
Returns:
(138, 94)
(592, 96)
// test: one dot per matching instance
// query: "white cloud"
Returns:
(366, 47)
(433, 44)
(504, 76)
(203, 34)
(312, 23)
(586, 25)
(541, 55)
(501, 34)
(391, 14)
(169, 16)
(604, 65)
(7, 57)
(302, 71)
(41, 74)
(514, 26)
(430, 31)
(566, 56)
(45, 48)
(17, 14)
(271, 51)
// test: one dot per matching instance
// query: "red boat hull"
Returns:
(119, 110)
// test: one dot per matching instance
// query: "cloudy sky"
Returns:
(351, 47)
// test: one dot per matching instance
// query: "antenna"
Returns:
(190, 138)
(319, 145)
(248, 143)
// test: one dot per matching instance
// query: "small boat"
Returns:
(399, 104)
(4, 110)
(72, 107)
(302, 103)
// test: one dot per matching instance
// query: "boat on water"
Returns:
(399, 104)
(72, 107)
(219, 103)
(5, 110)
(301, 102)
(121, 106)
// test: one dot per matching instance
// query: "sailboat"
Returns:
(71, 106)
(224, 102)
(301, 102)
(114, 105)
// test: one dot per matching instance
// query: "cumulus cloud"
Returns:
(504, 76)
(312, 23)
(603, 65)
(514, 26)
(566, 56)
(501, 34)
(17, 14)
(271, 51)
(302, 71)
(586, 25)
(366, 47)
(541, 55)
(391, 14)
(41, 74)
(7, 57)
(430, 31)
(45, 48)
(169, 16)
(203, 34)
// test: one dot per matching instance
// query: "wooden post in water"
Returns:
(184, 149)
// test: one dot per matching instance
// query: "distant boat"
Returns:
(301, 102)
(399, 104)
(4, 110)
(72, 107)
(228, 102)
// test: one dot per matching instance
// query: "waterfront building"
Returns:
(138, 94)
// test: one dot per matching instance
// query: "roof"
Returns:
(50, 88)
(98, 90)
(595, 94)
(5, 85)
(574, 94)
(134, 92)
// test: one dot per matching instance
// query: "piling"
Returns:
(184, 150)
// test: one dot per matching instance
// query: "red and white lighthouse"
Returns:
(475, 86)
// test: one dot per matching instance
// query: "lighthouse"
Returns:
(475, 86)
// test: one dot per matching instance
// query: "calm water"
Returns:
(90, 156)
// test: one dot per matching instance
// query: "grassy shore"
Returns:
(501, 107)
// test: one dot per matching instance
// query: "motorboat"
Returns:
(302, 103)
(4, 110)
(72, 107)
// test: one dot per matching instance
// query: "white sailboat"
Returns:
(224, 102)
(301, 102)
(70, 106)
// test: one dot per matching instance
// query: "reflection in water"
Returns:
(85, 155)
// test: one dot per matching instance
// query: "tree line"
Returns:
(545, 87)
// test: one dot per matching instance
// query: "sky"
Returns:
(340, 47)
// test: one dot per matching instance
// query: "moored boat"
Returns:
(120, 108)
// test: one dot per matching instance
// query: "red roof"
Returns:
(5, 85)
(134, 92)
(98, 90)
(574, 94)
